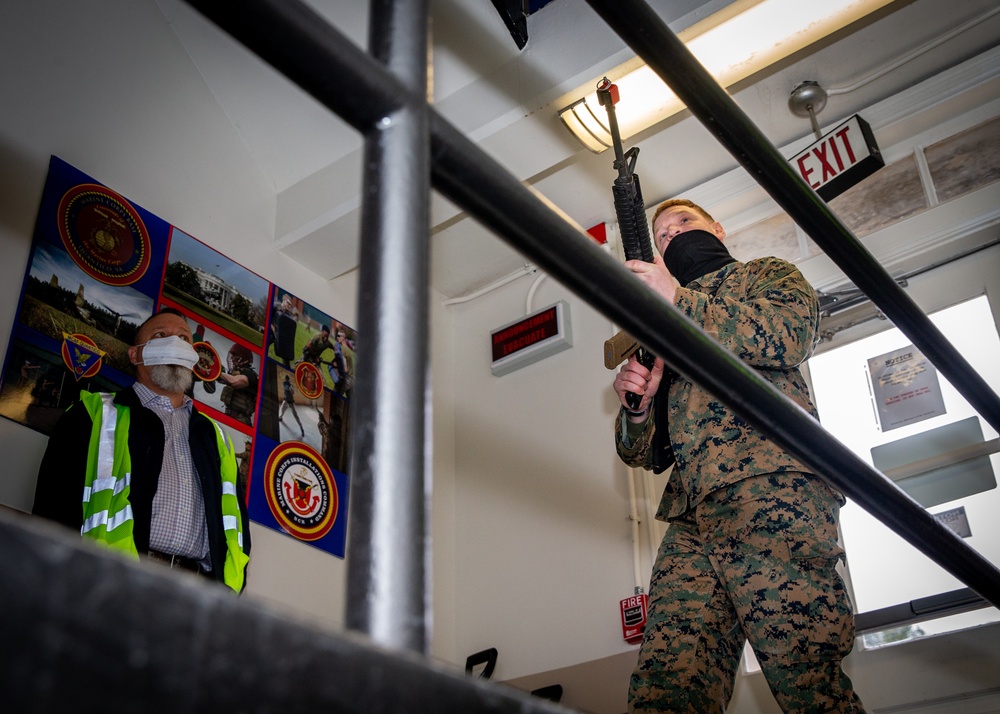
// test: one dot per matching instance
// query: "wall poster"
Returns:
(905, 388)
(275, 371)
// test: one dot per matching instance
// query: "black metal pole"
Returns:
(919, 610)
(475, 182)
(527, 221)
(302, 45)
(77, 618)
(637, 24)
(388, 594)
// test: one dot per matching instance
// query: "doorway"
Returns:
(882, 399)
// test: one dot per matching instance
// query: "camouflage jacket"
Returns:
(241, 403)
(766, 314)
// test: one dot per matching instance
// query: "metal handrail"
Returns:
(85, 630)
(526, 220)
(71, 613)
(388, 588)
(954, 602)
(654, 42)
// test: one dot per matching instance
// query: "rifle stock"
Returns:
(629, 206)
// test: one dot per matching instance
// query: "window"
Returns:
(863, 406)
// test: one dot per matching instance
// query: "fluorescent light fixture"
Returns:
(733, 44)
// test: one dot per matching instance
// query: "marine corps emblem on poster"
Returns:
(300, 491)
(309, 380)
(209, 365)
(104, 234)
(81, 355)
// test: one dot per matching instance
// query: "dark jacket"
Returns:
(59, 491)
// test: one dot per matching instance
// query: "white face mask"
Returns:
(169, 350)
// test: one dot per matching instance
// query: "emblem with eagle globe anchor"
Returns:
(301, 491)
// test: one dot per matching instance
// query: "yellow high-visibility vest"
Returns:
(107, 514)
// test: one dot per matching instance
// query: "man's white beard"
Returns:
(171, 378)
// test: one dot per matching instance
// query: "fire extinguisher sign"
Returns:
(633, 611)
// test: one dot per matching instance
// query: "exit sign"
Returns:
(841, 159)
(530, 339)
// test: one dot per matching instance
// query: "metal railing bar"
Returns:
(301, 44)
(953, 457)
(388, 583)
(953, 602)
(479, 185)
(365, 92)
(654, 42)
(526, 220)
(852, 297)
(86, 630)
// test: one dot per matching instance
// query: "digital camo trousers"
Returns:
(754, 561)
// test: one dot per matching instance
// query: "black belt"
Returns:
(175, 561)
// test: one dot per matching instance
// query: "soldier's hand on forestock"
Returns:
(656, 276)
(635, 378)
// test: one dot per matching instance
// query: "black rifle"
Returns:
(628, 206)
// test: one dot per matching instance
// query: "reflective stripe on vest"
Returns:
(234, 569)
(107, 514)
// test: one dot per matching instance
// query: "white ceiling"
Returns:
(506, 100)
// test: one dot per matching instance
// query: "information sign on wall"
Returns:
(530, 339)
(905, 388)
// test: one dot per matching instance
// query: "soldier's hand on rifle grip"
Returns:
(636, 379)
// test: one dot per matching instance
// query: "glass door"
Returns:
(881, 398)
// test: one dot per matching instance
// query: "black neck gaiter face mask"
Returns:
(695, 253)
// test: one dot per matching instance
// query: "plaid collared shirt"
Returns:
(178, 524)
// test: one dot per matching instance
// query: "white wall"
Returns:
(544, 543)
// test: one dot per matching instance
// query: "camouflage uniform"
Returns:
(752, 543)
(314, 349)
(241, 403)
